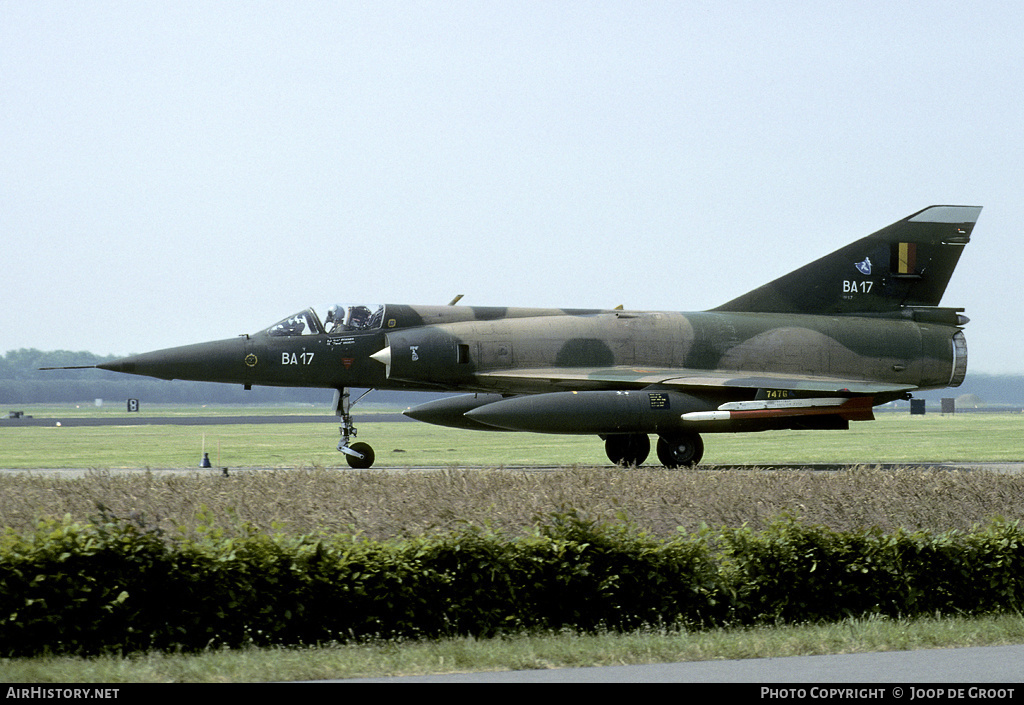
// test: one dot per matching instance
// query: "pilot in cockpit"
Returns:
(335, 322)
(339, 319)
(358, 317)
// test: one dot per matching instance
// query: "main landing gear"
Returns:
(676, 451)
(357, 455)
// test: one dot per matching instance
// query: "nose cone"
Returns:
(217, 361)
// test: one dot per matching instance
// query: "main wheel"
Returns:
(363, 449)
(684, 450)
(626, 449)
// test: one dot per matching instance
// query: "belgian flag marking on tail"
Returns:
(906, 258)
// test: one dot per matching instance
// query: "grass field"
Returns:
(312, 490)
(542, 651)
(892, 438)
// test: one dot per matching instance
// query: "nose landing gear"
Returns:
(358, 455)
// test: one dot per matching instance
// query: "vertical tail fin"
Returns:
(906, 264)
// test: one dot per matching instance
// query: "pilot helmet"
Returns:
(358, 316)
(333, 314)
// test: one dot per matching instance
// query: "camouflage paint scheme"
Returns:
(816, 348)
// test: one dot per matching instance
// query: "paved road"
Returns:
(986, 666)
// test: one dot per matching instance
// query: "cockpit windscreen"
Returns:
(305, 323)
(344, 319)
(340, 319)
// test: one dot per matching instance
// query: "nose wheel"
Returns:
(357, 455)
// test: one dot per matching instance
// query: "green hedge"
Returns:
(793, 572)
(117, 585)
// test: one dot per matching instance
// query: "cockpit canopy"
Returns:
(340, 319)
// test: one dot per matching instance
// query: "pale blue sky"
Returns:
(172, 172)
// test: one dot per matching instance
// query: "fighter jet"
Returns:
(815, 349)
